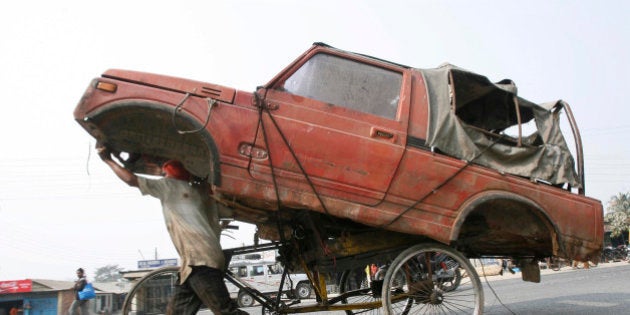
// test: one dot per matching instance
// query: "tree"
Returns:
(109, 273)
(618, 222)
(619, 203)
(618, 213)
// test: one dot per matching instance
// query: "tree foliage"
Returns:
(618, 213)
(109, 273)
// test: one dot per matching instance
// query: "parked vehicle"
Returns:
(446, 271)
(340, 146)
(265, 276)
(614, 254)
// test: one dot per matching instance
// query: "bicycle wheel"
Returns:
(361, 290)
(152, 292)
(413, 284)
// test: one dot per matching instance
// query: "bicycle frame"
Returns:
(276, 305)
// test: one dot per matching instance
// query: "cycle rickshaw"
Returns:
(410, 274)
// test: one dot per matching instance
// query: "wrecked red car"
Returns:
(441, 154)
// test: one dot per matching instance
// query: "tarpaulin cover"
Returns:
(468, 116)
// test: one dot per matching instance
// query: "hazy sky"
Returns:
(61, 208)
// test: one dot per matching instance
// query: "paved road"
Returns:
(600, 290)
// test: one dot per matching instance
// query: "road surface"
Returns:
(604, 289)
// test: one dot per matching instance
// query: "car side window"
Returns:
(257, 271)
(239, 271)
(348, 83)
(242, 271)
(274, 269)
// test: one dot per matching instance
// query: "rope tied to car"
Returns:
(442, 184)
(211, 103)
(266, 108)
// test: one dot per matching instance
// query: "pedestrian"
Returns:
(192, 220)
(77, 304)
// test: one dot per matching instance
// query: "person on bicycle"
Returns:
(192, 220)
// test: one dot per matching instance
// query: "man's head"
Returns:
(80, 272)
(175, 169)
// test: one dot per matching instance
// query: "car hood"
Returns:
(202, 89)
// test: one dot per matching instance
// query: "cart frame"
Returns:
(407, 280)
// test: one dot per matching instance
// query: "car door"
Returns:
(259, 279)
(339, 119)
(274, 275)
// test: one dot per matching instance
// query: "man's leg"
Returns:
(184, 301)
(73, 308)
(85, 307)
(209, 286)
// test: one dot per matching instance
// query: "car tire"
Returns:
(245, 299)
(303, 290)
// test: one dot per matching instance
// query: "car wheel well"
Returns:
(504, 224)
(123, 125)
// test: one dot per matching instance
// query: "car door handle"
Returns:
(380, 133)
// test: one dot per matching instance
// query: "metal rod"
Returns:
(578, 145)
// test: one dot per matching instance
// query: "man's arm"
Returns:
(124, 174)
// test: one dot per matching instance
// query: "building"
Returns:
(51, 297)
(36, 296)
(110, 296)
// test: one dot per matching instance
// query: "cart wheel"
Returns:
(244, 299)
(415, 283)
(152, 292)
(356, 287)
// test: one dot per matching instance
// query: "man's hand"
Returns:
(103, 152)
(124, 174)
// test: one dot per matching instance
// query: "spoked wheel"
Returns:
(152, 293)
(424, 280)
(359, 289)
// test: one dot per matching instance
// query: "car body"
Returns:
(355, 139)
